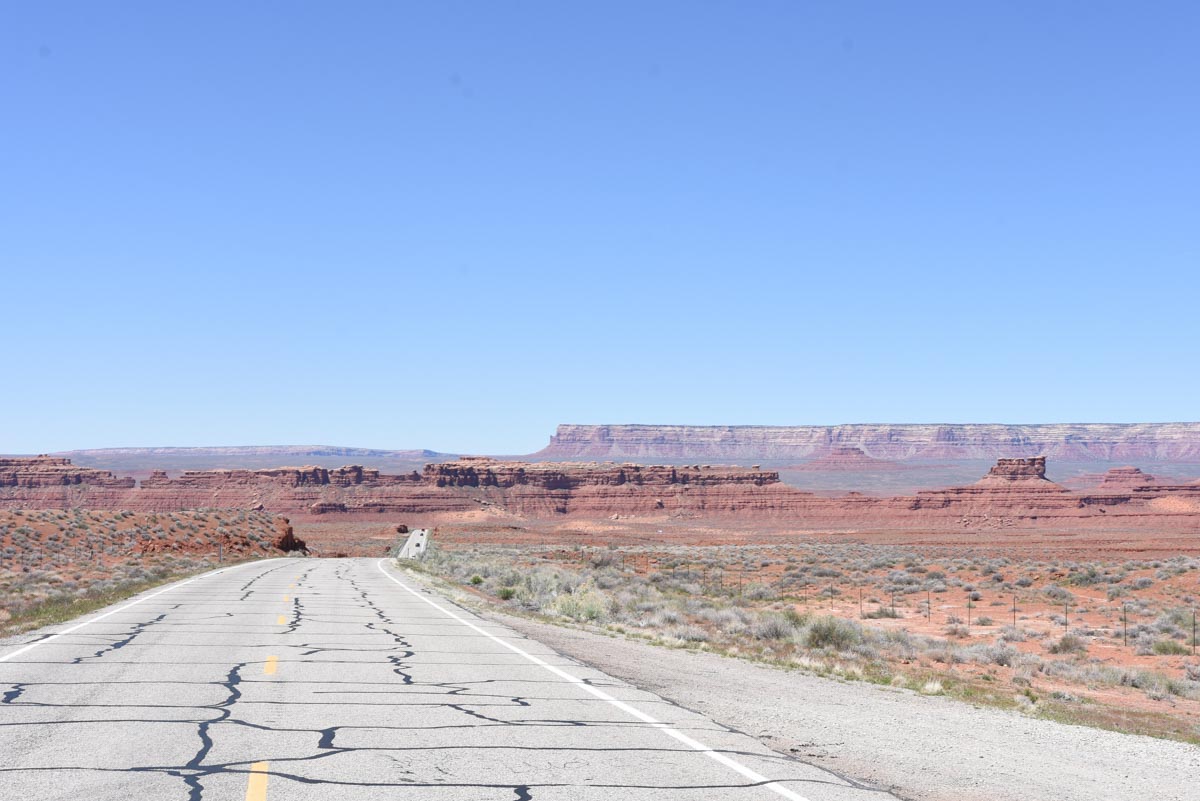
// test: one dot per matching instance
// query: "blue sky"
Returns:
(454, 225)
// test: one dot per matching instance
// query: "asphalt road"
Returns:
(340, 679)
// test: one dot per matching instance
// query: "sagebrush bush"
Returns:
(1171, 648)
(833, 633)
(1069, 644)
(774, 627)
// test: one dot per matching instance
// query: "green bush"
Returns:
(833, 633)
(774, 627)
(1171, 648)
(1069, 644)
(584, 604)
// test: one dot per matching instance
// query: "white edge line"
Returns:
(696, 745)
(98, 618)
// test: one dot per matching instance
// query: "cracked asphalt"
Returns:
(341, 679)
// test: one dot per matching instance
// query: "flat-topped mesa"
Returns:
(1012, 486)
(307, 476)
(217, 479)
(49, 471)
(845, 459)
(1032, 469)
(483, 472)
(1126, 478)
(1078, 442)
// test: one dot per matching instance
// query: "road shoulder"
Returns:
(917, 747)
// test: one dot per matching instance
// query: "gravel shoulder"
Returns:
(924, 748)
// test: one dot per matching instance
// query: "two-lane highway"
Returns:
(342, 679)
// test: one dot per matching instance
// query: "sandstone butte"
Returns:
(1109, 442)
(1015, 492)
(846, 459)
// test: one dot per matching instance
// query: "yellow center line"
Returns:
(272, 663)
(291, 585)
(282, 620)
(285, 599)
(256, 787)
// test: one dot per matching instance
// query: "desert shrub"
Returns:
(689, 634)
(759, 592)
(604, 559)
(1085, 577)
(664, 617)
(1171, 648)
(832, 633)
(774, 627)
(1068, 644)
(999, 654)
(729, 621)
(1174, 620)
(1057, 593)
(1012, 634)
(584, 604)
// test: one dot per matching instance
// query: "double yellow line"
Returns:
(256, 784)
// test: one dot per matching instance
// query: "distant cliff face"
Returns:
(1014, 493)
(1159, 442)
(49, 472)
(141, 461)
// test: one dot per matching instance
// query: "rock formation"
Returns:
(1009, 470)
(1012, 486)
(49, 471)
(1122, 479)
(140, 461)
(1078, 442)
(287, 541)
(1015, 492)
(845, 459)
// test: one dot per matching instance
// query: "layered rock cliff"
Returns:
(52, 472)
(1015, 492)
(1078, 442)
(140, 461)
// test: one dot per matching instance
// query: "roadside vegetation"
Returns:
(56, 565)
(1109, 645)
